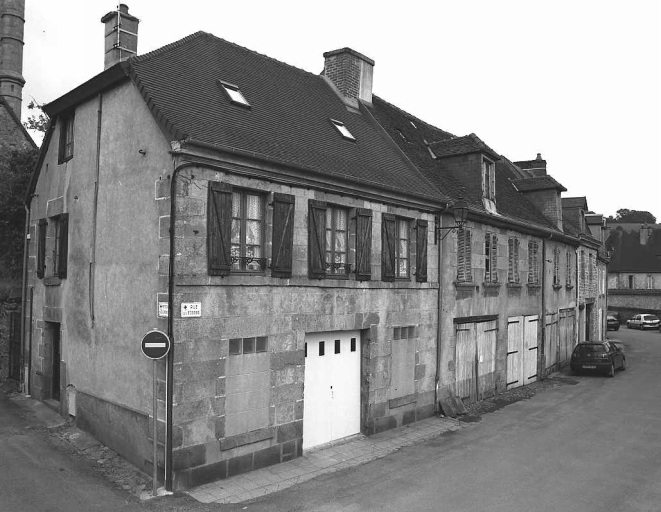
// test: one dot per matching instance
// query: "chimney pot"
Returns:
(121, 35)
(539, 156)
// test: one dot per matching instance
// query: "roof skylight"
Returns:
(234, 93)
(344, 131)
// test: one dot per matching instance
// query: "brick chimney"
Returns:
(121, 35)
(12, 19)
(645, 233)
(536, 167)
(351, 72)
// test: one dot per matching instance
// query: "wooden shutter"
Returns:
(219, 228)
(388, 246)
(283, 234)
(421, 251)
(464, 255)
(492, 182)
(363, 244)
(316, 239)
(494, 258)
(510, 260)
(41, 247)
(63, 246)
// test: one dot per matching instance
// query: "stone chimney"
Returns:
(645, 234)
(351, 72)
(12, 19)
(536, 167)
(121, 35)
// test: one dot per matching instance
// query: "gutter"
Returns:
(24, 288)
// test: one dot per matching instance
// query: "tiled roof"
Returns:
(630, 256)
(575, 202)
(413, 140)
(461, 146)
(537, 183)
(289, 117)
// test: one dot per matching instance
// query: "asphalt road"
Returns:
(592, 446)
(38, 476)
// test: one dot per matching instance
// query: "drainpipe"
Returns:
(169, 373)
(543, 358)
(439, 315)
(26, 372)
(92, 267)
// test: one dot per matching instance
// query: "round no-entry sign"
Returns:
(155, 344)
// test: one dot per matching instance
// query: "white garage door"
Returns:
(332, 387)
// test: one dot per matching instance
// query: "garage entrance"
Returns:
(331, 394)
(475, 359)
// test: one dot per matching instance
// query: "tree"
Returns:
(638, 216)
(15, 170)
(37, 122)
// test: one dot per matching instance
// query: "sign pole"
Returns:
(155, 433)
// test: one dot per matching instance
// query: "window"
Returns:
(583, 270)
(650, 282)
(488, 179)
(632, 282)
(513, 261)
(328, 241)
(41, 247)
(61, 249)
(235, 230)
(591, 270)
(234, 93)
(395, 247)
(66, 139)
(337, 240)
(556, 266)
(238, 346)
(533, 262)
(344, 131)
(568, 279)
(490, 258)
(421, 250)
(464, 268)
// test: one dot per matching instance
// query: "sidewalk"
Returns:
(342, 455)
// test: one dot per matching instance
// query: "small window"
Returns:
(488, 179)
(353, 344)
(41, 247)
(322, 348)
(66, 139)
(234, 93)
(556, 267)
(338, 344)
(394, 247)
(61, 249)
(337, 240)
(344, 131)
(490, 258)
(513, 261)
(238, 346)
(247, 232)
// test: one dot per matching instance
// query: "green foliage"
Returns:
(15, 170)
(39, 121)
(626, 215)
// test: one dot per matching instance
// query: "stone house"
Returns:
(634, 271)
(294, 236)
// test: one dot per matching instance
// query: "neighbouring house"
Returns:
(15, 144)
(634, 271)
(324, 263)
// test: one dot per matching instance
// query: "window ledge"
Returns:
(569, 286)
(491, 285)
(515, 285)
(52, 281)
(534, 286)
(557, 286)
(464, 286)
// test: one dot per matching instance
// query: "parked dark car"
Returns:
(598, 356)
(612, 323)
(643, 321)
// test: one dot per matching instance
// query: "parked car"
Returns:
(598, 356)
(612, 323)
(643, 321)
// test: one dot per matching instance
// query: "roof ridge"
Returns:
(202, 33)
(414, 117)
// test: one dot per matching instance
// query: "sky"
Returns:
(578, 81)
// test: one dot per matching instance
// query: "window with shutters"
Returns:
(235, 230)
(65, 152)
(395, 247)
(590, 270)
(533, 262)
(513, 261)
(41, 247)
(61, 246)
(583, 265)
(490, 258)
(568, 276)
(464, 255)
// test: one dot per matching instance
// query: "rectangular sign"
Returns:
(191, 309)
(162, 309)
